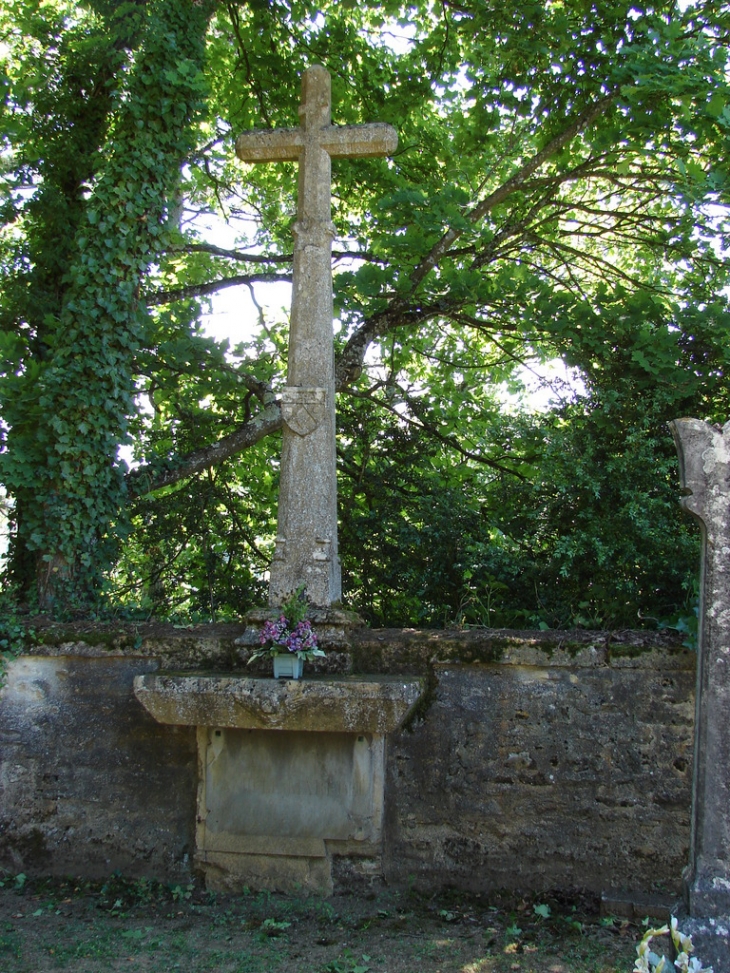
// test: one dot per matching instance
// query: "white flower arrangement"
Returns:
(647, 961)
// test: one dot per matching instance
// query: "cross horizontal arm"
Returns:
(276, 145)
(352, 141)
(346, 141)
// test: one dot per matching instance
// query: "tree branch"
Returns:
(212, 286)
(150, 477)
(351, 358)
(348, 364)
(513, 184)
(420, 423)
(244, 256)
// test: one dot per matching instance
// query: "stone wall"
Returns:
(88, 783)
(546, 776)
(535, 761)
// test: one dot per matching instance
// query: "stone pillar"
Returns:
(704, 459)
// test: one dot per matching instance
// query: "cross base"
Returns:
(332, 626)
(319, 574)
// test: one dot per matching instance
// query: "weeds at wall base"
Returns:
(54, 924)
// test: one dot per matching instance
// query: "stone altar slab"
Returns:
(345, 704)
(290, 772)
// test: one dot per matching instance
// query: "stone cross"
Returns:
(704, 460)
(306, 544)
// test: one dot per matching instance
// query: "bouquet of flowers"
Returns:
(290, 632)
(647, 961)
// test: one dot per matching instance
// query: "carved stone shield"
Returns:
(303, 409)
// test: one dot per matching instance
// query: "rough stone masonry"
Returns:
(539, 760)
(306, 543)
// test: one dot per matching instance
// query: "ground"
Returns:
(50, 925)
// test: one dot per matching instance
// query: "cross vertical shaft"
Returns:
(306, 550)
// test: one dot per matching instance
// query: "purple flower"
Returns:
(300, 638)
(273, 631)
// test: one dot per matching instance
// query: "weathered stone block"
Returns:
(535, 777)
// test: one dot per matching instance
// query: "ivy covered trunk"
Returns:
(68, 410)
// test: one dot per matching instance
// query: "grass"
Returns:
(55, 925)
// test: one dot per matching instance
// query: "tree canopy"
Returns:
(560, 192)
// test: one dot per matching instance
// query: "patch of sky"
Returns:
(313, 25)
(233, 313)
(398, 38)
(541, 387)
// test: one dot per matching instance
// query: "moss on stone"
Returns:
(386, 651)
(629, 651)
(420, 711)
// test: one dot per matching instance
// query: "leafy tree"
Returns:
(559, 191)
(102, 157)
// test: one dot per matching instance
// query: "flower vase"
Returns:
(288, 666)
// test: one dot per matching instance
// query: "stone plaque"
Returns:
(303, 410)
(274, 806)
